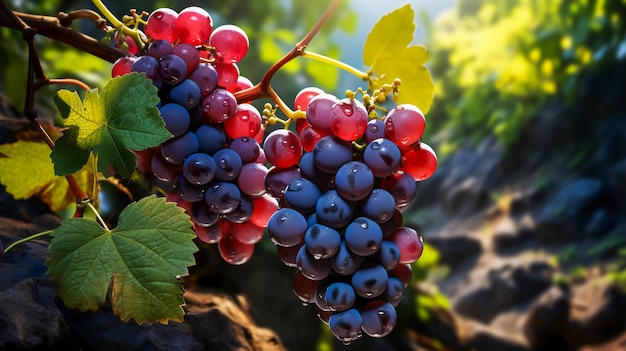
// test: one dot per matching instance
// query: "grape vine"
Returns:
(330, 191)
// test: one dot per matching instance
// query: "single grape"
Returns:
(395, 291)
(388, 255)
(301, 102)
(193, 26)
(251, 180)
(228, 164)
(420, 162)
(287, 227)
(382, 156)
(402, 187)
(243, 83)
(379, 319)
(282, 148)
(302, 195)
(176, 150)
(128, 43)
(403, 272)
(363, 236)
(264, 207)
(247, 148)
(348, 119)
(346, 262)
(230, 43)
(190, 55)
(122, 66)
(227, 75)
(186, 94)
(188, 191)
(333, 210)
(310, 267)
(205, 76)
(330, 153)
(304, 288)
(161, 24)
(322, 241)
(159, 48)
(346, 325)
(148, 65)
(176, 118)
(404, 125)
(211, 138)
(309, 137)
(288, 254)
(162, 169)
(354, 181)
(379, 206)
(242, 213)
(201, 215)
(199, 168)
(375, 130)
(234, 251)
(319, 111)
(314, 174)
(218, 106)
(223, 197)
(410, 243)
(212, 234)
(246, 122)
(340, 296)
(247, 232)
(370, 282)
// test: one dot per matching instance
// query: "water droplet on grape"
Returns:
(375, 145)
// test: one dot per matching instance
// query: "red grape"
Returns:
(245, 122)
(420, 162)
(230, 43)
(349, 119)
(404, 125)
(305, 95)
(193, 26)
(161, 24)
(282, 148)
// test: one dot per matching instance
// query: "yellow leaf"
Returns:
(27, 170)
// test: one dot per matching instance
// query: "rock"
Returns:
(29, 317)
(617, 183)
(455, 248)
(509, 233)
(465, 197)
(547, 319)
(562, 219)
(480, 337)
(503, 288)
(597, 314)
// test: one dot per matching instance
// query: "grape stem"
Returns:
(344, 66)
(28, 238)
(133, 33)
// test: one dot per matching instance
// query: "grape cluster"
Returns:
(340, 221)
(213, 162)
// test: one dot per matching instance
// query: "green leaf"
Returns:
(32, 158)
(389, 52)
(121, 118)
(141, 259)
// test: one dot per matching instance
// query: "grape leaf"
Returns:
(122, 117)
(27, 171)
(389, 53)
(141, 259)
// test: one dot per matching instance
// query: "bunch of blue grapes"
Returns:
(340, 222)
(213, 163)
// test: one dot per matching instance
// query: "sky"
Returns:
(368, 13)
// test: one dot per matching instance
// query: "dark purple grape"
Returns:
(176, 150)
(223, 197)
(363, 236)
(304, 288)
(228, 165)
(202, 216)
(243, 212)
(395, 291)
(176, 118)
(346, 262)
(375, 129)
(211, 138)
(302, 195)
(322, 241)
(333, 210)
(186, 94)
(339, 296)
(402, 187)
(379, 206)
(370, 282)
(247, 148)
(314, 174)
(286, 227)
(188, 191)
(172, 69)
(278, 179)
(378, 321)
(330, 153)
(310, 267)
(205, 77)
(388, 255)
(199, 168)
(382, 156)
(346, 325)
(288, 254)
(354, 181)
(189, 54)
(219, 106)
(319, 111)
(163, 170)
(159, 48)
(146, 64)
